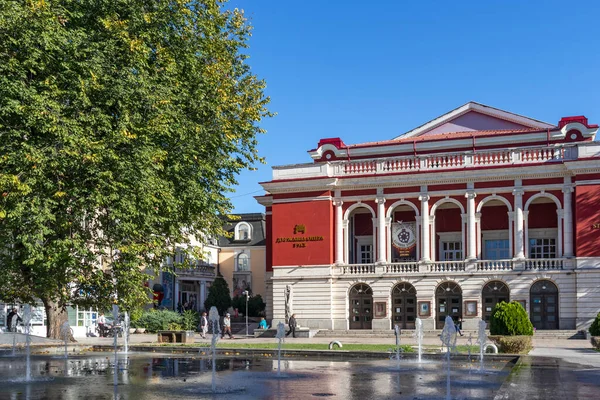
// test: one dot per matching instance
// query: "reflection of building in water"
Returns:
(474, 207)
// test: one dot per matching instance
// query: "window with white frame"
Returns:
(451, 251)
(243, 262)
(86, 317)
(450, 247)
(496, 245)
(243, 231)
(496, 249)
(364, 249)
(542, 243)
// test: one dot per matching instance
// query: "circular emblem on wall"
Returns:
(403, 235)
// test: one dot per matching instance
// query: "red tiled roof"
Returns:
(447, 136)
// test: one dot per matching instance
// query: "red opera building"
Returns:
(475, 207)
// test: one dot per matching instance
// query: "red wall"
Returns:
(586, 216)
(268, 242)
(405, 216)
(542, 216)
(494, 218)
(447, 220)
(317, 217)
(363, 224)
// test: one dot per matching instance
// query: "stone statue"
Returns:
(288, 302)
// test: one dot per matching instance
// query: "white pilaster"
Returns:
(520, 232)
(346, 241)
(424, 198)
(568, 218)
(526, 234)
(559, 244)
(381, 256)
(478, 241)
(471, 233)
(463, 231)
(511, 217)
(388, 244)
(432, 238)
(339, 232)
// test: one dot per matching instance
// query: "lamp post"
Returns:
(245, 292)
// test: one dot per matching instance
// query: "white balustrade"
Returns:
(495, 265)
(402, 268)
(546, 264)
(447, 266)
(358, 269)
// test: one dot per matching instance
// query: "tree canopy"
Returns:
(123, 125)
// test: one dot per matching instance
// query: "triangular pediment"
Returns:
(475, 117)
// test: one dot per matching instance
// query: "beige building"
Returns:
(242, 259)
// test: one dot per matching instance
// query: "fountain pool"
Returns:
(151, 376)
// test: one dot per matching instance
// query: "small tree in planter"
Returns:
(190, 320)
(218, 296)
(595, 332)
(511, 328)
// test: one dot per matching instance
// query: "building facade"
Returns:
(474, 207)
(242, 255)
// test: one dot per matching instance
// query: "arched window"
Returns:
(243, 262)
(243, 231)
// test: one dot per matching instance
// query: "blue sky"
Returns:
(366, 71)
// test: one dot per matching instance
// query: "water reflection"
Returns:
(150, 376)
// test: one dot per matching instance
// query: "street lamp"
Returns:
(245, 292)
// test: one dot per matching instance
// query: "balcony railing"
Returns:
(199, 269)
(545, 264)
(452, 160)
(449, 267)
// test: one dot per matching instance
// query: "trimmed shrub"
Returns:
(595, 328)
(157, 320)
(512, 344)
(510, 319)
(190, 320)
(596, 342)
(218, 296)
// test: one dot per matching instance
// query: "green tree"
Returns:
(123, 126)
(510, 319)
(218, 296)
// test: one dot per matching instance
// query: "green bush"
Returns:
(218, 296)
(596, 342)
(190, 320)
(157, 320)
(510, 319)
(512, 344)
(595, 328)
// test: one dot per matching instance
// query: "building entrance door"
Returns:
(543, 305)
(361, 306)
(404, 305)
(448, 300)
(493, 293)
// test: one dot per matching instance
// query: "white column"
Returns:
(511, 217)
(478, 239)
(381, 256)
(339, 232)
(425, 227)
(471, 233)
(568, 221)
(526, 234)
(432, 239)
(388, 245)
(346, 259)
(418, 229)
(559, 240)
(463, 237)
(520, 234)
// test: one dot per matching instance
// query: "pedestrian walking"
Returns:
(203, 326)
(227, 326)
(292, 324)
(458, 326)
(13, 319)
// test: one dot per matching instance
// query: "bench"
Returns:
(175, 337)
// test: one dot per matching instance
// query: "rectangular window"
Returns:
(496, 249)
(86, 317)
(451, 251)
(542, 248)
(366, 254)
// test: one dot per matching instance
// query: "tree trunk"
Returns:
(56, 316)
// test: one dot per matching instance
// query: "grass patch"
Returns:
(295, 346)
